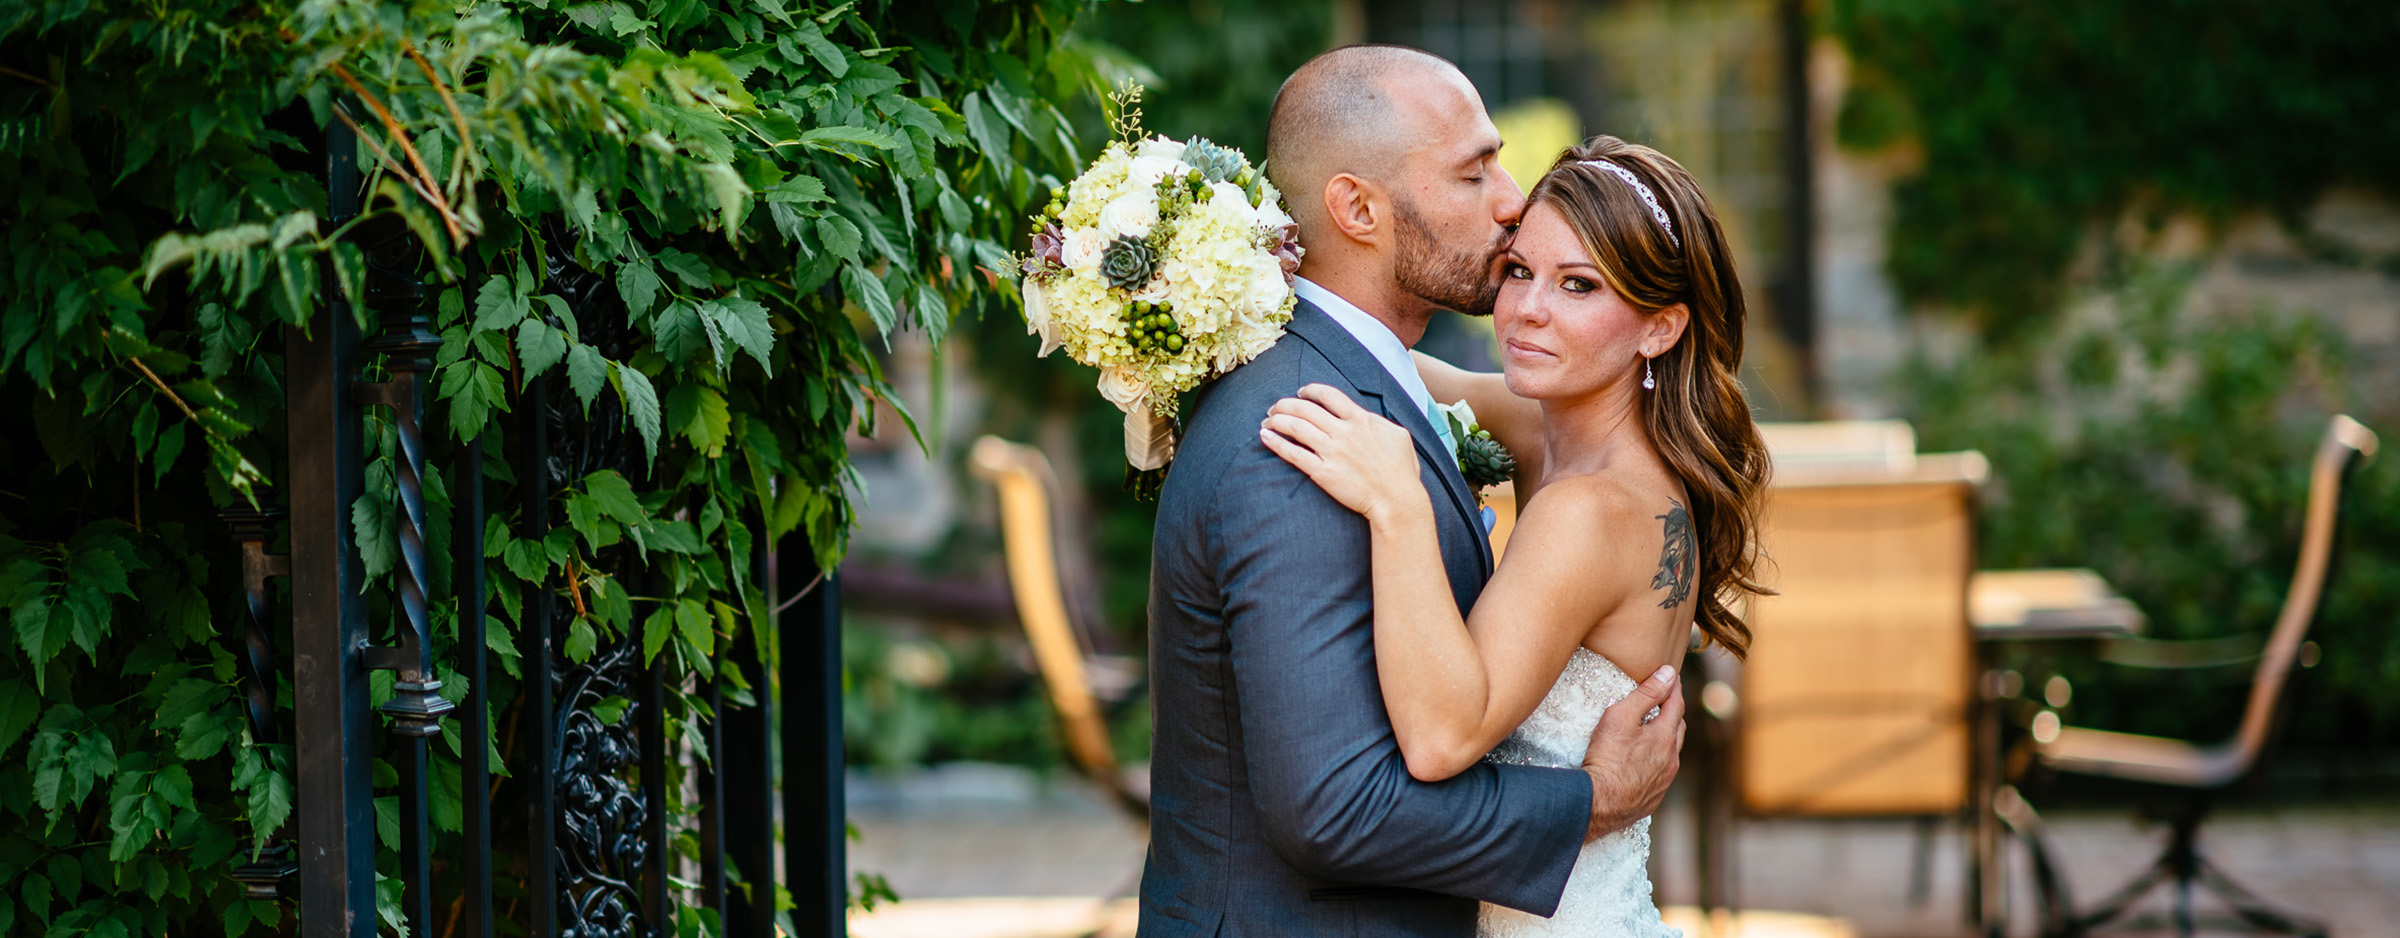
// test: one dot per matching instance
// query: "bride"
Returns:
(1639, 473)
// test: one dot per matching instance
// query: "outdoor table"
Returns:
(2021, 606)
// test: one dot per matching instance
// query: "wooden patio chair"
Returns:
(2192, 774)
(1028, 532)
(1857, 696)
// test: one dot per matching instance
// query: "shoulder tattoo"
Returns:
(1679, 559)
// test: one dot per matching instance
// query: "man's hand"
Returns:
(1633, 756)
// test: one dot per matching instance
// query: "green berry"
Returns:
(1174, 343)
(1058, 192)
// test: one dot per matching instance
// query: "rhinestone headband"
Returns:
(1648, 198)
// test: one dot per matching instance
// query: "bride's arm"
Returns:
(1514, 421)
(1454, 689)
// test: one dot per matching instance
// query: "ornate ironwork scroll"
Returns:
(602, 820)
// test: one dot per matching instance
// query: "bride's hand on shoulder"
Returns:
(1364, 461)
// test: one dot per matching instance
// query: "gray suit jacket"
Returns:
(1280, 802)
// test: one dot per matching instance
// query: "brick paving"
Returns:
(962, 832)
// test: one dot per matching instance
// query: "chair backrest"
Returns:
(1853, 444)
(2346, 443)
(1027, 531)
(1856, 695)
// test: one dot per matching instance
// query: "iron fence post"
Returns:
(815, 854)
(335, 803)
(475, 770)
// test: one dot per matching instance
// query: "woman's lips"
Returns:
(1520, 349)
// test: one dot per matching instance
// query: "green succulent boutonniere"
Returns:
(1481, 459)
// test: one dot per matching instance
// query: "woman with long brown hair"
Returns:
(1639, 474)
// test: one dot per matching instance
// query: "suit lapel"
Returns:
(1370, 379)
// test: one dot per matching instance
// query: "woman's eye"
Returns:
(1517, 272)
(1576, 285)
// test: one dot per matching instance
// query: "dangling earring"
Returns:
(1649, 381)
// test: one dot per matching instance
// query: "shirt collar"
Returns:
(1378, 338)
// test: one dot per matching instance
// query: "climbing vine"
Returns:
(766, 187)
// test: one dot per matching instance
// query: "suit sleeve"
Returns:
(1333, 793)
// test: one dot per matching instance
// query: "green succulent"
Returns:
(1483, 460)
(1215, 163)
(1128, 262)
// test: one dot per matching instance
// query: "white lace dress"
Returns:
(1608, 894)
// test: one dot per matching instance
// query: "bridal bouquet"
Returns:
(1165, 264)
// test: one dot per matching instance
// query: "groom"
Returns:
(1280, 802)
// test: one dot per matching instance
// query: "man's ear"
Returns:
(1666, 328)
(1355, 207)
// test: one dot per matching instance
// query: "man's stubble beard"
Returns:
(1464, 281)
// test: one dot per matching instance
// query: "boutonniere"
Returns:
(1481, 459)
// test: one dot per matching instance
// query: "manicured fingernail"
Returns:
(1665, 673)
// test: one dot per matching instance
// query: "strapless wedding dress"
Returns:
(1608, 894)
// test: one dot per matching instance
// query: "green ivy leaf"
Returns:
(539, 346)
(587, 373)
(614, 497)
(527, 560)
(867, 291)
(581, 641)
(372, 529)
(473, 390)
(641, 405)
(839, 237)
(687, 267)
(827, 54)
(498, 305)
(682, 334)
(656, 629)
(700, 414)
(834, 137)
(638, 284)
(692, 621)
(19, 704)
(743, 322)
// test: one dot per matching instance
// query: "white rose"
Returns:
(1153, 292)
(1265, 291)
(1231, 195)
(1271, 214)
(1082, 249)
(1160, 147)
(1037, 317)
(1146, 171)
(1123, 387)
(1129, 215)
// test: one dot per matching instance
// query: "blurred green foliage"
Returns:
(2171, 453)
(2039, 118)
(768, 187)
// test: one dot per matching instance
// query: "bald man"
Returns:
(1280, 803)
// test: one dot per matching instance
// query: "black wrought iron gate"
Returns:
(591, 790)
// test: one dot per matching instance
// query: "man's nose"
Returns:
(1510, 199)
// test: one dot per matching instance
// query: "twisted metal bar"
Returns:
(416, 706)
(263, 877)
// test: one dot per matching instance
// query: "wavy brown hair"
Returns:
(1697, 416)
